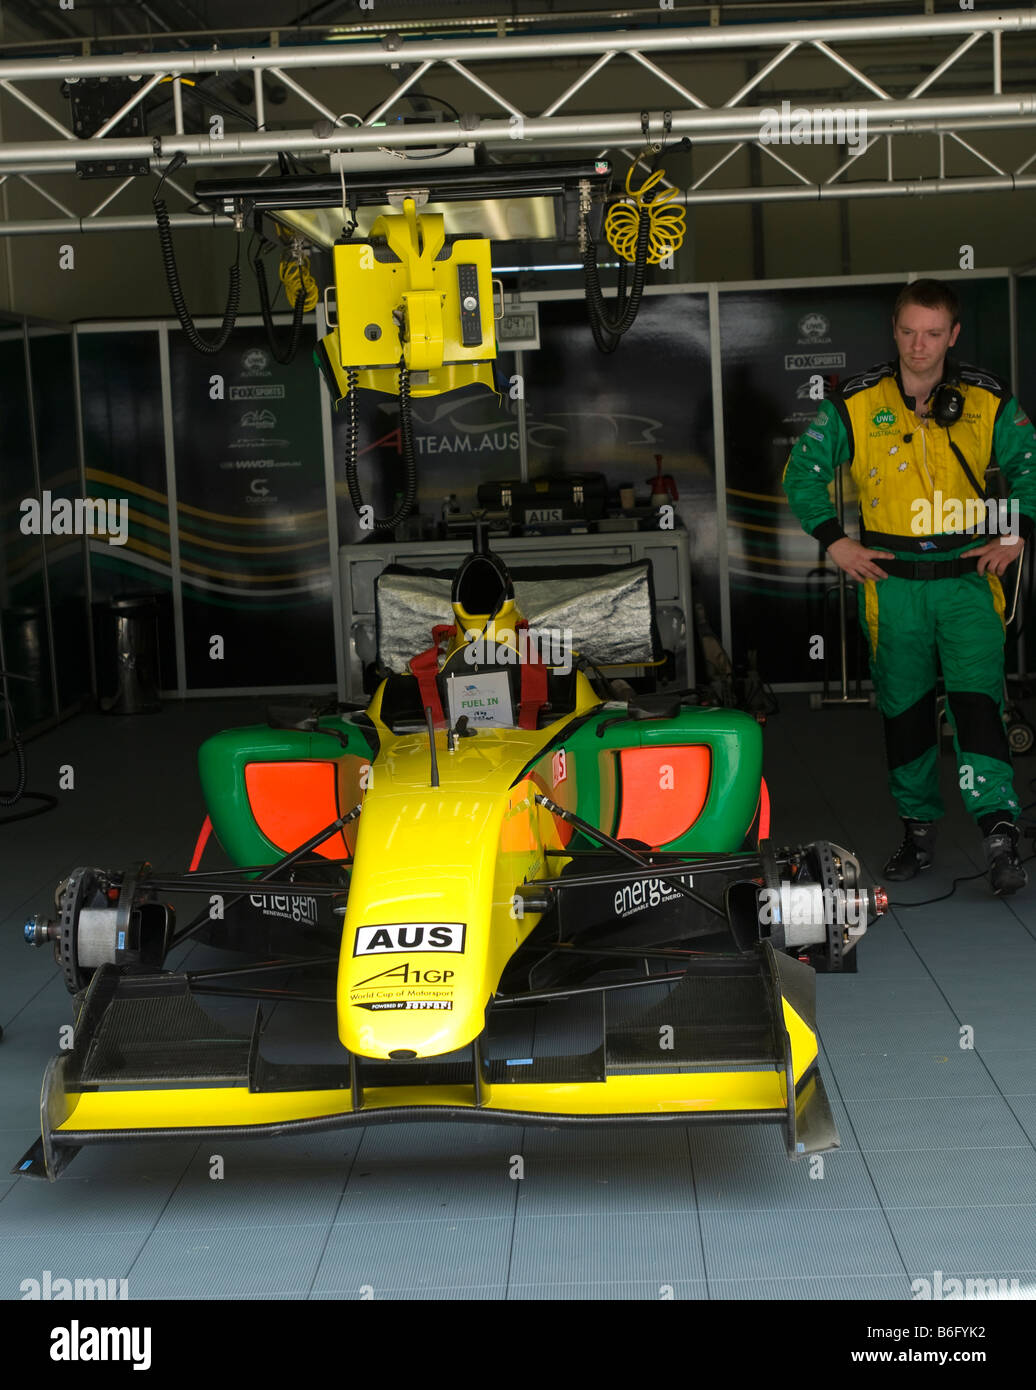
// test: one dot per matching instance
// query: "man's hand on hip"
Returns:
(994, 557)
(857, 561)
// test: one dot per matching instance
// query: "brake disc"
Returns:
(830, 880)
(73, 895)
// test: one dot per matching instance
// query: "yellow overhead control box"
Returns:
(406, 292)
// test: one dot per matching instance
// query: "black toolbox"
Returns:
(555, 499)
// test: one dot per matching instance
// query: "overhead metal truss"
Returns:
(1007, 39)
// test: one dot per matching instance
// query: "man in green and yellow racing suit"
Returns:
(924, 435)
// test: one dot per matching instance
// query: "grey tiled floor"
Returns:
(937, 1170)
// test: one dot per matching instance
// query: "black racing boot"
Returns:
(915, 853)
(1006, 872)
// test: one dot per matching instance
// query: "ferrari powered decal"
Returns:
(382, 1004)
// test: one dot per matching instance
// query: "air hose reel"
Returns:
(642, 229)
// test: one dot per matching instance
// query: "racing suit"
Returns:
(914, 497)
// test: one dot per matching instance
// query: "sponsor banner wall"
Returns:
(612, 413)
(120, 388)
(252, 512)
(250, 479)
(24, 628)
(44, 623)
(461, 439)
(54, 406)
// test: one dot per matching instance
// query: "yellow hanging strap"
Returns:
(667, 224)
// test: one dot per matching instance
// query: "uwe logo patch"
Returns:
(814, 328)
(883, 417)
(445, 937)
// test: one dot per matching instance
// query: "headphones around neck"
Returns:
(946, 403)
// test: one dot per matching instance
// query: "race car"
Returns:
(495, 894)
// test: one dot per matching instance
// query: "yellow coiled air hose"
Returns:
(667, 226)
(643, 229)
(295, 277)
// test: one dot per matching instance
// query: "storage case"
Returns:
(558, 498)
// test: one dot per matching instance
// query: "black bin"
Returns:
(132, 655)
(25, 649)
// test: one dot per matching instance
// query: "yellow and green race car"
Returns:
(494, 894)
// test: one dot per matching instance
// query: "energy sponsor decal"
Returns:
(643, 893)
(291, 907)
(411, 937)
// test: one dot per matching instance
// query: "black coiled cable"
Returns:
(298, 309)
(19, 757)
(172, 275)
(406, 430)
(607, 331)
